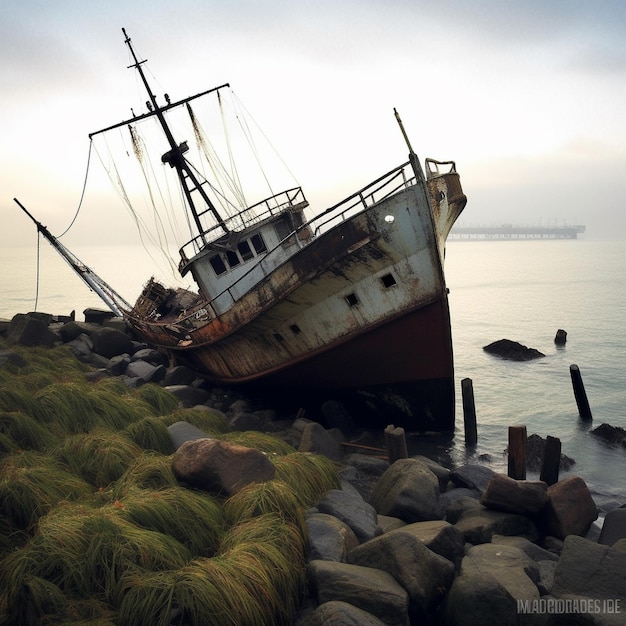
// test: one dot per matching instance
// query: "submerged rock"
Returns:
(613, 435)
(512, 351)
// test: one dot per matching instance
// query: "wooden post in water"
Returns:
(551, 461)
(395, 442)
(517, 452)
(469, 412)
(580, 394)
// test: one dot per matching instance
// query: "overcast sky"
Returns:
(528, 97)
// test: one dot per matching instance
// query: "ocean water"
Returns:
(519, 290)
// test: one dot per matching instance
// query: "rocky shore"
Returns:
(412, 542)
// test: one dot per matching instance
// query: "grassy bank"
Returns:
(94, 527)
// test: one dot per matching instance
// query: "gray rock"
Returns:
(472, 476)
(27, 330)
(146, 371)
(152, 356)
(187, 395)
(82, 347)
(179, 375)
(614, 527)
(366, 470)
(462, 507)
(180, 432)
(117, 364)
(513, 569)
(220, 467)
(525, 497)
(329, 538)
(479, 525)
(442, 473)
(448, 498)
(316, 439)
(440, 537)
(571, 509)
(353, 510)
(535, 552)
(108, 342)
(479, 600)
(372, 590)
(426, 576)
(407, 490)
(591, 570)
(71, 330)
(340, 613)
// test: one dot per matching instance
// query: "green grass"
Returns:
(95, 529)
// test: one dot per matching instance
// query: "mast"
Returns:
(174, 156)
(110, 297)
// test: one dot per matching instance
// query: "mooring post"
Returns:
(551, 461)
(469, 412)
(579, 393)
(517, 452)
(395, 442)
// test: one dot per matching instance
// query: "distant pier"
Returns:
(509, 231)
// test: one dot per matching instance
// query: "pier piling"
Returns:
(469, 412)
(517, 452)
(580, 394)
(395, 442)
(551, 461)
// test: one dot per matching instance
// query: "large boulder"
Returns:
(571, 509)
(590, 570)
(525, 497)
(426, 576)
(439, 536)
(371, 589)
(478, 524)
(408, 490)
(472, 476)
(479, 600)
(29, 330)
(329, 538)
(220, 467)
(108, 342)
(493, 579)
(349, 507)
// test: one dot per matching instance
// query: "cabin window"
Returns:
(217, 263)
(244, 250)
(351, 299)
(388, 280)
(278, 337)
(283, 229)
(258, 244)
(295, 329)
(233, 258)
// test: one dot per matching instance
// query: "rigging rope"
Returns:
(82, 195)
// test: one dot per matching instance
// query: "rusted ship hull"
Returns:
(361, 307)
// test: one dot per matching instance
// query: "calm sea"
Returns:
(519, 290)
